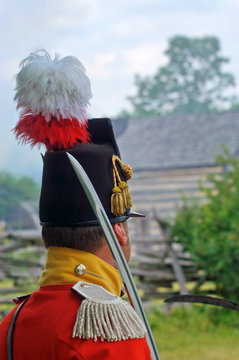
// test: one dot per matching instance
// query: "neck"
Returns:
(105, 254)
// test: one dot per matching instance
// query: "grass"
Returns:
(198, 333)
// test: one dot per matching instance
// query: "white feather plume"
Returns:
(58, 87)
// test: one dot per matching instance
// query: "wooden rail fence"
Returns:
(159, 263)
(21, 261)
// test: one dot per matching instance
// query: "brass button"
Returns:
(80, 269)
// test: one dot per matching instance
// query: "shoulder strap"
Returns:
(11, 329)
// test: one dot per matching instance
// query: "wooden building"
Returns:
(169, 155)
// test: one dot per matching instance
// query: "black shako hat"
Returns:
(63, 201)
(52, 96)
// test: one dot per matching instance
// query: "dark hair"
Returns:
(88, 239)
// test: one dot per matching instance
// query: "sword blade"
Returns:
(116, 251)
(203, 299)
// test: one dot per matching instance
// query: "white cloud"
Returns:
(112, 75)
(9, 68)
(102, 66)
(145, 58)
(230, 2)
(72, 13)
(137, 26)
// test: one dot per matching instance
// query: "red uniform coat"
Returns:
(44, 326)
(43, 329)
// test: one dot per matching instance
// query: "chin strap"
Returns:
(11, 330)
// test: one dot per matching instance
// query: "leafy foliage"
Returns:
(210, 231)
(192, 81)
(13, 190)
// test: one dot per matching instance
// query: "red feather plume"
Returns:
(55, 134)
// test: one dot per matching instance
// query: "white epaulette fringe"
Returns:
(105, 316)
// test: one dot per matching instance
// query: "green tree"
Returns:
(210, 231)
(13, 190)
(192, 81)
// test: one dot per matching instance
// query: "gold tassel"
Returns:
(117, 202)
(120, 198)
(128, 172)
(126, 194)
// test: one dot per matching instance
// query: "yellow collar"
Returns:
(61, 262)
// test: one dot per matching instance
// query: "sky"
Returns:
(114, 39)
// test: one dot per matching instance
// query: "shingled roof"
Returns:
(175, 142)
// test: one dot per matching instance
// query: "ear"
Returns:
(120, 233)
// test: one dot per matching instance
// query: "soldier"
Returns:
(62, 320)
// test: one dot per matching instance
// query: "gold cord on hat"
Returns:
(120, 198)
